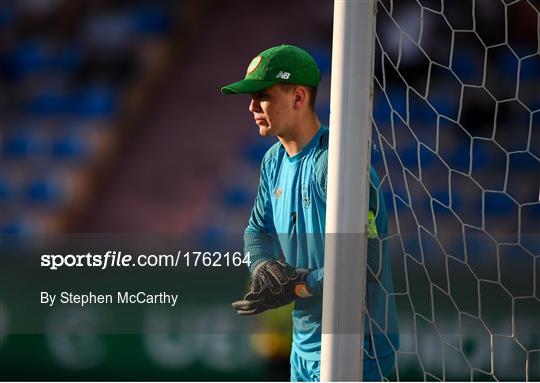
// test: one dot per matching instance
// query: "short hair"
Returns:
(312, 91)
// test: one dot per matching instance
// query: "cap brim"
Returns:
(247, 86)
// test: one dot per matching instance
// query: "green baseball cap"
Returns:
(283, 63)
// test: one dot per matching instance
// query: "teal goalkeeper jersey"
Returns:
(288, 222)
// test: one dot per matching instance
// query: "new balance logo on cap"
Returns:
(283, 75)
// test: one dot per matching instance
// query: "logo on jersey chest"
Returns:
(278, 192)
(306, 197)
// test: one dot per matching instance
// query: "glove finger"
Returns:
(265, 283)
(264, 299)
(243, 304)
(246, 313)
(244, 307)
(251, 312)
(290, 271)
(277, 272)
(274, 281)
(253, 296)
(261, 281)
(268, 300)
(257, 283)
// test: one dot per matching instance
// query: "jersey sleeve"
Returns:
(260, 238)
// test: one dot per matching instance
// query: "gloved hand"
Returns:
(274, 284)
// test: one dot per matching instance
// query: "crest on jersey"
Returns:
(306, 197)
(278, 192)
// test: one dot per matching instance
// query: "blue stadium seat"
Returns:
(530, 238)
(420, 111)
(481, 153)
(460, 158)
(444, 105)
(116, 29)
(6, 15)
(111, 30)
(47, 103)
(444, 92)
(34, 56)
(399, 191)
(23, 145)
(465, 65)
(398, 99)
(442, 194)
(15, 226)
(501, 216)
(523, 162)
(388, 199)
(70, 148)
(457, 200)
(498, 204)
(523, 49)
(523, 183)
(28, 57)
(508, 63)
(94, 101)
(4, 189)
(395, 170)
(470, 211)
(67, 60)
(435, 175)
(409, 158)
(530, 68)
(382, 114)
(151, 19)
(428, 159)
(42, 191)
(406, 145)
(487, 155)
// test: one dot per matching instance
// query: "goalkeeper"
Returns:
(285, 233)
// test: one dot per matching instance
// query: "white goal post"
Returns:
(348, 185)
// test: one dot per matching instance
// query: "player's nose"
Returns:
(254, 106)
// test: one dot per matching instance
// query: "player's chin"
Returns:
(265, 130)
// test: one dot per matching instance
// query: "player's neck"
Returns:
(300, 134)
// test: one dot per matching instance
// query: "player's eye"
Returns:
(261, 96)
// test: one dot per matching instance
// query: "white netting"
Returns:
(456, 143)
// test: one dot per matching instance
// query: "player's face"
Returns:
(272, 110)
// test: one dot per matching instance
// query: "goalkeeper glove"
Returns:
(274, 284)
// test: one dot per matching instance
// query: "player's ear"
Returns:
(300, 97)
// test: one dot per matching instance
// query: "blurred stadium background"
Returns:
(111, 121)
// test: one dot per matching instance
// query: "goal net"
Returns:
(456, 144)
